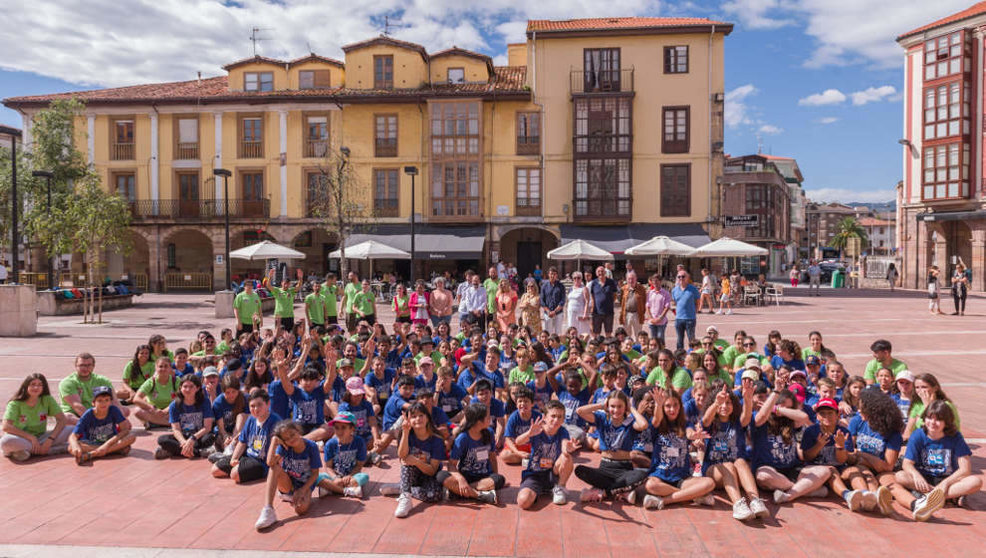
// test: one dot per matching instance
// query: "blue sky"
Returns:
(818, 80)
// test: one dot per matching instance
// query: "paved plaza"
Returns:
(137, 502)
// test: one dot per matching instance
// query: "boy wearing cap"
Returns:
(102, 430)
(345, 454)
(426, 378)
(828, 443)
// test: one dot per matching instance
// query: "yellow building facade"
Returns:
(608, 130)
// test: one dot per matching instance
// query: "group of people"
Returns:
(959, 285)
(311, 406)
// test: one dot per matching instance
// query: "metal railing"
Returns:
(122, 151)
(385, 207)
(176, 280)
(602, 81)
(316, 149)
(251, 149)
(186, 151)
(39, 280)
(198, 209)
(385, 147)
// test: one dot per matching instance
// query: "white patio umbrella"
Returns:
(660, 246)
(727, 247)
(579, 250)
(266, 250)
(372, 250)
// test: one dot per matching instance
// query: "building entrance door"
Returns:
(528, 255)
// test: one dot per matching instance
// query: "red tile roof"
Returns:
(616, 23)
(255, 60)
(872, 222)
(390, 41)
(316, 58)
(765, 156)
(972, 11)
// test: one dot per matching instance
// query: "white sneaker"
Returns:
(558, 495)
(652, 502)
(707, 500)
(885, 500)
(592, 495)
(390, 489)
(353, 491)
(729, 312)
(266, 519)
(404, 505)
(286, 497)
(870, 501)
(629, 497)
(718, 312)
(781, 497)
(927, 505)
(758, 508)
(323, 492)
(741, 510)
(854, 499)
(487, 496)
(20, 455)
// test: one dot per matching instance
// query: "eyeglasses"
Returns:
(749, 344)
(706, 342)
(682, 276)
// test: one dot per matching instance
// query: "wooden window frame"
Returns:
(597, 199)
(524, 206)
(186, 151)
(309, 146)
(116, 174)
(448, 72)
(949, 49)
(386, 206)
(189, 208)
(675, 145)
(380, 81)
(942, 181)
(673, 57)
(944, 112)
(242, 150)
(260, 81)
(456, 134)
(606, 78)
(323, 83)
(386, 146)
(123, 151)
(308, 173)
(593, 138)
(528, 144)
(668, 207)
(249, 207)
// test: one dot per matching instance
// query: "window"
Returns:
(528, 192)
(172, 259)
(760, 200)
(675, 138)
(528, 133)
(455, 129)
(317, 194)
(126, 186)
(603, 125)
(455, 150)
(258, 81)
(455, 190)
(313, 79)
(385, 187)
(385, 135)
(383, 72)
(188, 194)
(252, 204)
(122, 148)
(602, 188)
(188, 138)
(676, 188)
(947, 55)
(946, 172)
(946, 111)
(316, 136)
(251, 137)
(456, 75)
(601, 69)
(676, 59)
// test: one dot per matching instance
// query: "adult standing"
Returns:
(491, 285)
(419, 302)
(530, 306)
(634, 306)
(960, 288)
(892, 275)
(708, 289)
(3, 272)
(658, 305)
(474, 303)
(685, 297)
(577, 305)
(247, 308)
(602, 294)
(330, 294)
(353, 287)
(440, 306)
(506, 305)
(284, 299)
(814, 278)
(460, 290)
(315, 307)
(553, 303)
(795, 275)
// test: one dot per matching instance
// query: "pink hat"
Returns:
(426, 360)
(354, 385)
(799, 392)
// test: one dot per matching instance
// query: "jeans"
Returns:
(683, 326)
(657, 331)
(435, 320)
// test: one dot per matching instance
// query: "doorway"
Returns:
(528, 255)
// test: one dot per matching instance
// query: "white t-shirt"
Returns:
(3, 272)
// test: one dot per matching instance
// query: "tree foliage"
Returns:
(337, 197)
(848, 228)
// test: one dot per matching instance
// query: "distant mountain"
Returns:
(876, 206)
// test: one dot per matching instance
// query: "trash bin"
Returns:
(838, 279)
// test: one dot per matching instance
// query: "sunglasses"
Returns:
(682, 276)
(749, 344)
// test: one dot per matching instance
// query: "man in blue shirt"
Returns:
(553, 303)
(602, 293)
(685, 297)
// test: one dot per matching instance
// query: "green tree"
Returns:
(848, 228)
(24, 181)
(337, 198)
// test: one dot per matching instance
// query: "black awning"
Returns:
(431, 242)
(952, 215)
(618, 238)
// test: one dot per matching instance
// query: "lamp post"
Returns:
(13, 209)
(225, 174)
(412, 172)
(48, 175)
(337, 196)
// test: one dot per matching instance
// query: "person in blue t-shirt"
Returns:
(354, 402)
(400, 401)
(827, 443)
(380, 383)
(685, 297)
(474, 370)
(518, 423)
(544, 385)
(345, 454)
(421, 452)
(572, 395)
(190, 415)
(484, 395)
(472, 469)
(308, 396)
(102, 430)
(617, 423)
(450, 396)
(550, 464)
(937, 463)
(670, 479)
(293, 471)
(229, 412)
(248, 462)
(876, 433)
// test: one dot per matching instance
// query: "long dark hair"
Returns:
(22, 395)
(783, 426)
(135, 370)
(474, 413)
(932, 381)
(680, 422)
(881, 412)
(419, 407)
(239, 404)
(199, 396)
(253, 380)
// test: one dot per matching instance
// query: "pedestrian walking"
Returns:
(814, 278)
(960, 288)
(934, 290)
(892, 275)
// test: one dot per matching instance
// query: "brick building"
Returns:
(753, 187)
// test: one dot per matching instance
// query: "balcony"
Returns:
(602, 82)
(316, 149)
(385, 147)
(200, 210)
(187, 151)
(385, 207)
(251, 149)
(527, 207)
(122, 152)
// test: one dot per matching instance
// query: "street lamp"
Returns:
(48, 175)
(225, 174)
(412, 172)
(13, 207)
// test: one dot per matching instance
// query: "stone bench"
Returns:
(51, 305)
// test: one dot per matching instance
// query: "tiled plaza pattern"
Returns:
(140, 502)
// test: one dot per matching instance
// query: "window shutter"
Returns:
(321, 79)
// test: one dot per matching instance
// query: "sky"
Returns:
(817, 80)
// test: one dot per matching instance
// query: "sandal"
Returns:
(592, 495)
(83, 458)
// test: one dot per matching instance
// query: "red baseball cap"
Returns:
(827, 403)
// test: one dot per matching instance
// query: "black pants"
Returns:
(959, 300)
(286, 323)
(171, 445)
(250, 469)
(614, 477)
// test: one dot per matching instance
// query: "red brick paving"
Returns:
(136, 501)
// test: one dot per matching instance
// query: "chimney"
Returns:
(200, 76)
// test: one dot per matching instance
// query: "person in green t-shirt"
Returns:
(882, 358)
(139, 369)
(315, 307)
(730, 353)
(75, 390)
(331, 291)
(247, 309)
(491, 284)
(365, 304)
(25, 422)
(352, 288)
(284, 299)
(155, 395)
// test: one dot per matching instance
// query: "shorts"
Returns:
(498, 480)
(676, 484)
(540, 482)
(403, 319)
(724, 297)
(250, 468)
(933, 480)
(332, 320)
(246, 328)
(370, 319)
(791, 473)
(287, 323)
(602, 323)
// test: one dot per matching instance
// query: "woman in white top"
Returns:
(577, 305)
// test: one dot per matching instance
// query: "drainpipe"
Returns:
(712, 182)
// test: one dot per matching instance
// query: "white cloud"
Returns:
(110, 43)
(849, 195)
(828, 120)
(873, 94)
(735, 111)
(827, 97)
(770, 130)
(757, 14)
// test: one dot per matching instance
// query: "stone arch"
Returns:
(315, 243)
(527, 246)
(188, 250)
